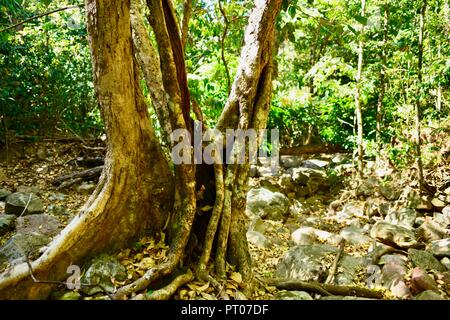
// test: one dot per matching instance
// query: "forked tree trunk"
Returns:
(136, 188)
(129, 197)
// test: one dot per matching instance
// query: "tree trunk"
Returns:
(358, 108)
(136, 189)
(379, 115)
(129, 197)
(420, 178)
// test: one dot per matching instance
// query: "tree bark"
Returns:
(379, 115)
(419, 164)
(358, 108)
(129, 197)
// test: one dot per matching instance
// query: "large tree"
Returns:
(137, 191)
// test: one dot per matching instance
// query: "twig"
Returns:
(333, 268)
(40, 16)
(26, 207)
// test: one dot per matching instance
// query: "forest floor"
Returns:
(393, 238)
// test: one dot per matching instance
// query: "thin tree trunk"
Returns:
(358, 108)
(379, 116)
(423, 11)
(129, 197)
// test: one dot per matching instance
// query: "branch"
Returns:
(222, 44)
(324, 289)
(41, 15)
(187, 10)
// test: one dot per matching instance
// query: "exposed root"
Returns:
(333, 268)
(214, 220)
(324, 289)
(169, 290)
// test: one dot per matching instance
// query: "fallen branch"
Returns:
(89, 174)
(169, 290)
(333, 268)
(324, 289)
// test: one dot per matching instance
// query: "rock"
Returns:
(28, 189)
(304, 236)
(72, 295)
(430, 231)
(258, 225)
(390, 192)
(6, 223)
(257, 239)
(354, 236)
(440, 247)
(404, 217)
(425, 260)
(393, 235)
(20, 246)
(446, 211)
(352, 209)
(441, 219)
(57, 210)
(367, 187)
(100, 272)
(438, 204)
(328, 237)
(267, 204)
(400, 290)
(38, 223)
(315, 164)
(421, 281)
(297, 209)
(57, 197)
(288, 162)
(428, 295)
(446, 262)
(349, 268)
(16, 203)
(392, 273)
(424, 204)
(292, 295)
(4, 193)
(86, 188)
(306, 262)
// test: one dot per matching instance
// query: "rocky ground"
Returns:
(302, 217)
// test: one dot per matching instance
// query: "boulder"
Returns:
(4, 193)
(6, 223)
(355, 236)
(292, 295)
(390, 192)
(421, 281)
(438, 203)
(100, 274)
(28, 189)
(306, 262)
(404, 217)
(258, 225)
(20, 246)
(315, 164)
(38, 223)
(393, 235)
(367, 187)
(440, 247)
(267, 204)
(446, 262)
(430, 231)
(57, 210)
(428, 295)
(16, 203)
(349, 268)
(297, 209)
(304, 236)
(425, 260)
(257, 239)
(288, 162)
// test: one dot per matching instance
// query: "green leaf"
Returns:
(361, 19)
